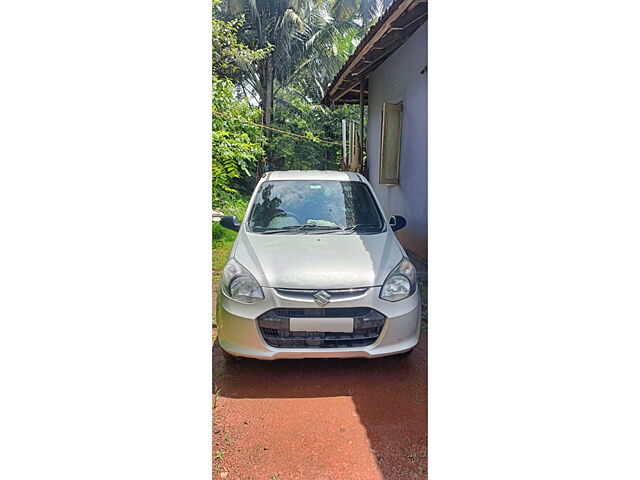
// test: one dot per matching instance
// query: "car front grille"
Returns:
(274, 327)
(342, 294)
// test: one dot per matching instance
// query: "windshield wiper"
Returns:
(359, 226)
(301, 228)
(289, 228)
(322, 229)
(314, 226)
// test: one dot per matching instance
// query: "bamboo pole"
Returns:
(361, 139)
(344, 141)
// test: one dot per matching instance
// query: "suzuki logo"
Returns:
(322, 298)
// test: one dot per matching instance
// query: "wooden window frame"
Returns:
(390, 180)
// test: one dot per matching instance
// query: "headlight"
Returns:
(239, 284)
(400, 283)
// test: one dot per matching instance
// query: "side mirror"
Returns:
(397, 222)
(231, 222)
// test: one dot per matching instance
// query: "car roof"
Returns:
(313, 175)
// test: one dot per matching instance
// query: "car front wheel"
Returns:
(404, 354)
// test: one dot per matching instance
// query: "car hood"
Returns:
(312, 261)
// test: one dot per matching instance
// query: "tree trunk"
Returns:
(266, 78)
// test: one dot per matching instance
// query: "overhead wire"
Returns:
(275, 129)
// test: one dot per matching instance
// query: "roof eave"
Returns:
(397, 24)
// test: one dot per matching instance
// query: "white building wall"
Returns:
(399, 79)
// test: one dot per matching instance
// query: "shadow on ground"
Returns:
(389, 395)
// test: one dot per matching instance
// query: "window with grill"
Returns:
(390, 143)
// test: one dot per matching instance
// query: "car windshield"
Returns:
(302, 206)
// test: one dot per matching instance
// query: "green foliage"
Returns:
(308, 42)
(236, 144)
(314, 122)
(228, 54)
(222, 241)
(233, 204)
(326, 51)
(282, 26)
(220, 235)
(223, 238)
(422, 286)
(285, 53)
(367, 10)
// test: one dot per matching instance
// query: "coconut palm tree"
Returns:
(367, 10)
(309, 41)
(282, 25)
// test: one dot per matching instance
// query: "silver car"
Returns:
(316, 272)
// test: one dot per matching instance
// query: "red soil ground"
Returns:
(352, 419)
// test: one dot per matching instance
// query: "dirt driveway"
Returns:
(352, 419)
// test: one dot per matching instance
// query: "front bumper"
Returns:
(239, 335)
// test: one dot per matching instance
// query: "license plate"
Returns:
(321, 324)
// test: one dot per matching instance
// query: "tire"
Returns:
(228, 357)
(404, 354)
